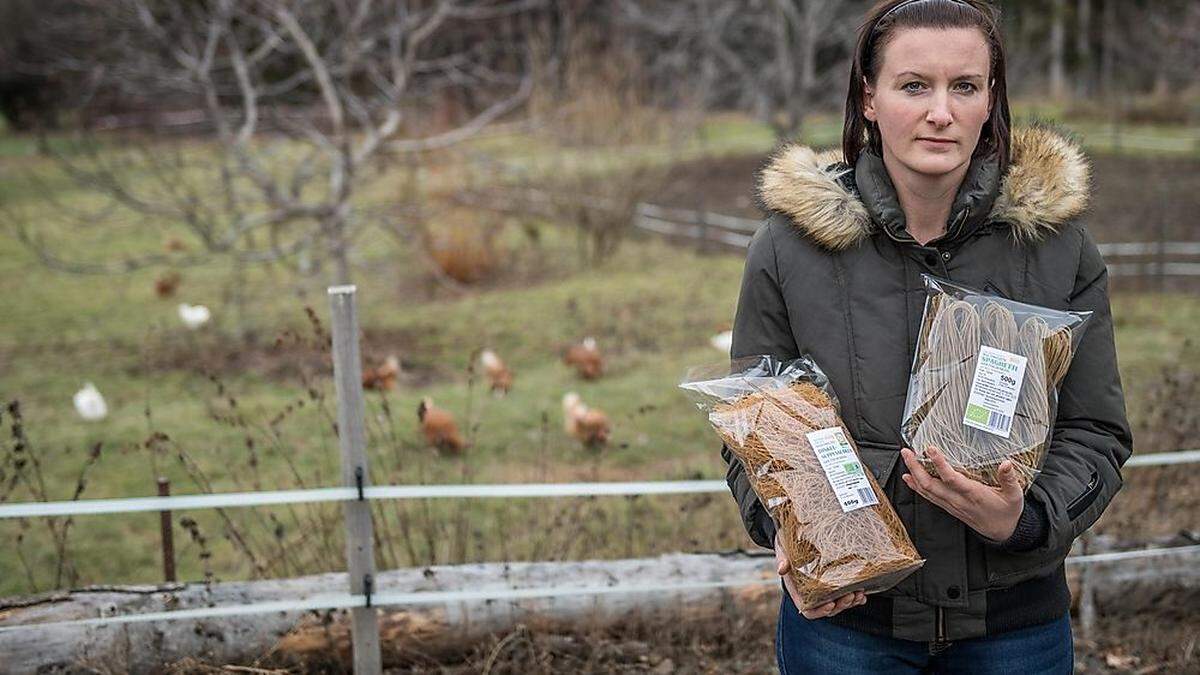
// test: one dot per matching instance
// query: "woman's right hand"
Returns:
(828, 609)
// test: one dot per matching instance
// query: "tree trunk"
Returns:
(1108, 57)
(1058, 82)
(1083, 48)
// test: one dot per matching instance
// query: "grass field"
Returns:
(248, 413)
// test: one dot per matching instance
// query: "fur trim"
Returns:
(1046, 185)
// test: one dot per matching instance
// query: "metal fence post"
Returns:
(166, 533)
(360, 545)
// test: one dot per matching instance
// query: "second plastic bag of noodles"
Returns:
(781, 420)
(984, 381)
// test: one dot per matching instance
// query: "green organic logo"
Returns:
(977, 413)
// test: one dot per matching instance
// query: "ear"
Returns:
(869, 102)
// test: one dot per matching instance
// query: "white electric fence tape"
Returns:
(509, 490)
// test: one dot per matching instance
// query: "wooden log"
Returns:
(428, 630)
(436, 630)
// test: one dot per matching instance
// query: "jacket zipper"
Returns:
(939, 645)
(1080, 503)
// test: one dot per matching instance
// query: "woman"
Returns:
(930, 180)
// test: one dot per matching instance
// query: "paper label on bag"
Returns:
(994, 391)
(845, 473)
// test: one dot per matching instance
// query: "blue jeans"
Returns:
(817, 646)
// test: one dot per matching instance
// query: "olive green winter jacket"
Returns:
(833, 273)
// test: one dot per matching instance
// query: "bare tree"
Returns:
(780, 59)
(604, 147)
(302, 104)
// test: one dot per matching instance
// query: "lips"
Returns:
(940, 141)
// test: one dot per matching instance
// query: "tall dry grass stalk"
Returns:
(22, 478)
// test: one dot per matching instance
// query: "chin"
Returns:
(935, 164)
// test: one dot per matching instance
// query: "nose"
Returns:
(939, 111)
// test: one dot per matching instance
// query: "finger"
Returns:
(843, 603)
(914, 465)
(931, 488)
(952, 507)
(818, 612)
(1010, 484)
(949, 475)
(781, 565)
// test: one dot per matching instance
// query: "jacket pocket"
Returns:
(1006, 569)
(990, 287)
(880, 458)
(1085, 499)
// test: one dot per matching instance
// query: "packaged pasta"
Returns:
(984, 381)
(781, 420)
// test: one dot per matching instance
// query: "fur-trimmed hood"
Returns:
(1046, 185)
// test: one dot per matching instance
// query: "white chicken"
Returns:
(722, 341)
(90, 404)
(194, 316)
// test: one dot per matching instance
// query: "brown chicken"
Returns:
(497, 373)
(586, 359)
(439, 428)
(383, 377)
(587, 425)
(166, 285)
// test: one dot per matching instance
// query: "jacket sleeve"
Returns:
(1091, 439)
(760, 327)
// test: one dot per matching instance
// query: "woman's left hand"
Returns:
(992, 512)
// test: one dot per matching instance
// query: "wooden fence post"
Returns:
(360, 545)
(1087, 589)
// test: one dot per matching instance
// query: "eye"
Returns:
(912, 87)
(966, 87)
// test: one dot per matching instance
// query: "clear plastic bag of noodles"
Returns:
(781, 420)
(984, 381)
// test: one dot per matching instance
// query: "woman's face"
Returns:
(930, 98)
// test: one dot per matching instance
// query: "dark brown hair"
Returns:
(877, 31)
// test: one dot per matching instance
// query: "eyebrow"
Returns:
(967, 76)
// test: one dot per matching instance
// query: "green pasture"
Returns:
(246, 403)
